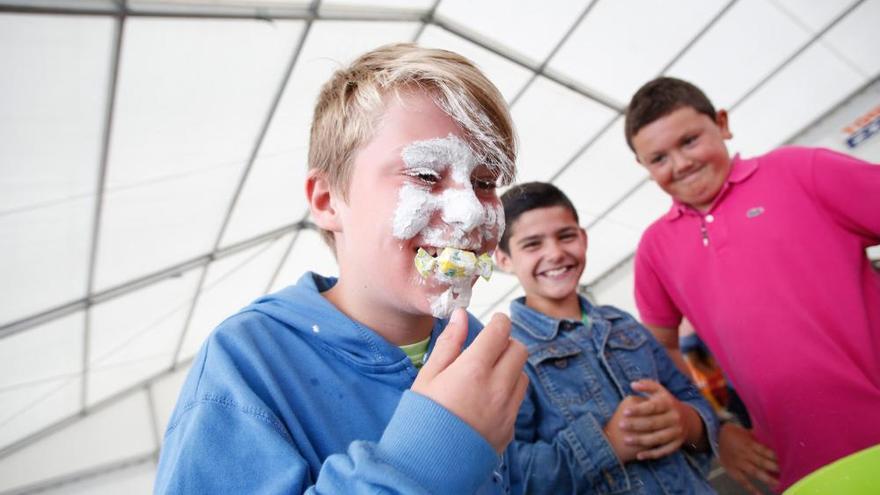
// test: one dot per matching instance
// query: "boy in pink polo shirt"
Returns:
(766, 256)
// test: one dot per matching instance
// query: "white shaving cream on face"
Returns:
(460, 210)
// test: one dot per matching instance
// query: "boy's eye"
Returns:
(425, 176)
(689, 140)
(656, 160)
(484, 184)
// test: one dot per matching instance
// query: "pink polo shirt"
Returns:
(775, 279)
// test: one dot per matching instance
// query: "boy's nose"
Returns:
(553, 251)
(462, 208)
(682, 164)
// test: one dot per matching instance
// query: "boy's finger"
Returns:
(658, 452)
(512, 361)
(654, 438)
(649, 407)
(646, 386)
(744, 481)
(646, 424)
(448, 346)
(764, 463)
(764, 452)
(492, 341)
(766, 477)
(522, 386)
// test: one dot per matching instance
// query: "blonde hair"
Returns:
(351, 104)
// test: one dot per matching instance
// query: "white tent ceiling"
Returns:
(152, 154)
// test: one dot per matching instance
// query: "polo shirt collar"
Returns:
(740, 170)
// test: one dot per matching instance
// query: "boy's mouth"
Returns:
(432, 250)
(452, 264)
(691, 174)
(556, 272)
(435, 250)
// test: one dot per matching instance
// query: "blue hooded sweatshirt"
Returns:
(291, 396)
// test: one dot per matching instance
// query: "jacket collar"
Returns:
(543, 327)
(740, 170)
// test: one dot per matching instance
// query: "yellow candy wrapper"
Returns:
(485, 265)
(453, 264)
(425, 263)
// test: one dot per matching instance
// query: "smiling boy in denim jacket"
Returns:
(606, 411)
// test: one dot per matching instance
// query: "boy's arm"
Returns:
(703, 426)
(850, 189)
(661, 423)
(578, 459)
(657, 310)
(219, 448)
(668, 338)
(484, 384)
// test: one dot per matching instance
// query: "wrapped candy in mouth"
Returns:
(453, 264)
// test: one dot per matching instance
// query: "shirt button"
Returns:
(710, 218)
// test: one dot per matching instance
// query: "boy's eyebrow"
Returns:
(528, 239)
(536, 237)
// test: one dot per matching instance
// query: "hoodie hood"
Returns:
(303, 310)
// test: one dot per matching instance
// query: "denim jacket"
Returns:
(578, 377)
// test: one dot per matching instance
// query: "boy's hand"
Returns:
(483, 385)
(744, 458)
(616, 435)
(658, 425)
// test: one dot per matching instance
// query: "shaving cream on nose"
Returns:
(462, 208)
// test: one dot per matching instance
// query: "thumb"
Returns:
(449, 344)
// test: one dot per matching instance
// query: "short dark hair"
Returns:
(521, 198)
(659, 98)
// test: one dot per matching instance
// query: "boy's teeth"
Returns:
(555, 272)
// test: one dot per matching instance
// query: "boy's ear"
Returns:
(722, 123)
(322, 201)
(503, 261)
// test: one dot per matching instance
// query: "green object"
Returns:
(416, 352)
(855, 474)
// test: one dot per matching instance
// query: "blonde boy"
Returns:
(317, 388)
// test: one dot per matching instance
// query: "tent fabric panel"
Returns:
(216, 78)
(603, 174)
(309, 253)
(40, 377)
(507, 76)
(231, 283)
(550, 138)
(120, 431)
(134, 337)
(131, 480)
(755, 129)
(50, 148)
(854, 39)
(273, 193)
(764, 38)
(532, 29)
(613, 51)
